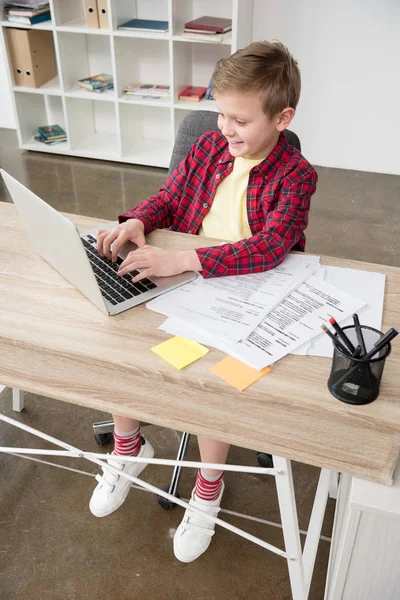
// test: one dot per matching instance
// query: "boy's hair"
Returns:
(266, 67)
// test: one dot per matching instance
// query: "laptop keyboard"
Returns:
(115, 288)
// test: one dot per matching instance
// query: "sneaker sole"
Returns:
(185, 559)
(109, 511)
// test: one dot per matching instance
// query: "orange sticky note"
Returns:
(237, 373)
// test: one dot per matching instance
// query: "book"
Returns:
(145, 25)
(100, 90)
(38, 138)
(216, 24)
(149, 89)
(96, 81)
(203, 31)
(46, 16)
(209, 95)
(51, 132)
(208, 39)
(22, 12)
(25, 3)
(193, 93)
(26, 6)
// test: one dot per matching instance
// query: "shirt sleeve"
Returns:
(283, 228)
(158, 211)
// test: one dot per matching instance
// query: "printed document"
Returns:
(368, 286)
(295, 320)
(231, 307)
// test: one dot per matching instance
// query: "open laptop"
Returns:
(75, 256)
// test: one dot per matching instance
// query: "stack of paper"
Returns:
(259, 318)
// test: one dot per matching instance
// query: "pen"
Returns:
(341, 334)
(335, 341)
(389, 335)
(360, 336)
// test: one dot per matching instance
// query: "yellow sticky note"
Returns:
(237, 373)
(180, 352)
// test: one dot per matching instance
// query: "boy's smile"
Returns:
(249, 131)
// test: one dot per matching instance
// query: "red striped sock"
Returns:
(208, 488)
(127, 444)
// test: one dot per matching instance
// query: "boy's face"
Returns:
(241, 119)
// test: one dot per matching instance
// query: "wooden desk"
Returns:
(54, 342)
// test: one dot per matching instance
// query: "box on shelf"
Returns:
(32, 56)
(91, 13)
(102, 9)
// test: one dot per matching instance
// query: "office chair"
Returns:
(192, 127)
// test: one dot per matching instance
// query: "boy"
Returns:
(244, 183)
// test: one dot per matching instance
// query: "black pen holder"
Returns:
(356, 380)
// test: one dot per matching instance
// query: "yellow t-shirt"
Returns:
(227, 218)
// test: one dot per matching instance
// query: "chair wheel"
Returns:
(265, 460)
(163, 502)
(103, 438)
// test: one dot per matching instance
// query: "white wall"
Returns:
(349, 56)
(6, 110)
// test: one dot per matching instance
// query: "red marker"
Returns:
(342, 335)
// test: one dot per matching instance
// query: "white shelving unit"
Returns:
(110, 126)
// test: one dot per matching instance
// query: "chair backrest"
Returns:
(194, 125)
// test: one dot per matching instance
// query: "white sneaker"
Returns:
(194, 534)
(112, 489)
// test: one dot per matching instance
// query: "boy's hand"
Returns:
(132, 230)
(158, 262)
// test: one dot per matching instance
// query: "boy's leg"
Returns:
(194, 534)
(112, 489)
(123, 424)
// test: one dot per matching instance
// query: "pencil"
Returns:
(335, 341)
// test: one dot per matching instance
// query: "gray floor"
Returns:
(51, 547)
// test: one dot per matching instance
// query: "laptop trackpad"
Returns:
(126, 248)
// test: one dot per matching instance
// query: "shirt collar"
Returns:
(264, 166)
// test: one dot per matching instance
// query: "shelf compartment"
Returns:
(144, 101)
(146, 135)
(50, 87)
(70, 15)
(141, 60)
(83, 55)
(194, 65)
(45, 25)
(35, 110)
(125, 10)
(92, 128)
(226, 42)
(188, 10)
(190, 106)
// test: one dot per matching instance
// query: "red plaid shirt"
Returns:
(278, 201)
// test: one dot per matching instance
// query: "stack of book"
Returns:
(50, 135)
(148, 90)
(27, 12)
(97, 83)
(208, 29)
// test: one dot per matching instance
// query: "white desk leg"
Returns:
(333, 485)
(17, 399)
(290, 527)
